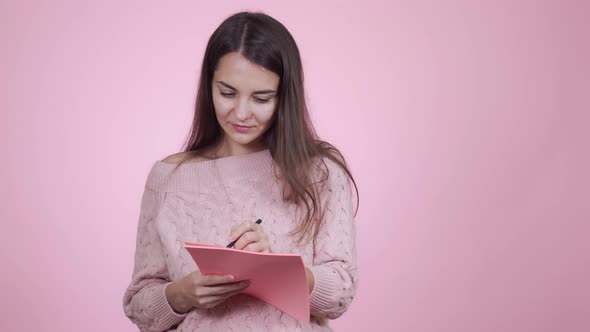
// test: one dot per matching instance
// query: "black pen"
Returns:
(231, 244)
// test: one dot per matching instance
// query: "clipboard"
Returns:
(277, 279)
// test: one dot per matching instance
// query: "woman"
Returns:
(252, 154)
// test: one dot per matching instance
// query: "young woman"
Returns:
(252, 153)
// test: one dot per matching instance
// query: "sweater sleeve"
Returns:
(335, 269)
(144, 300)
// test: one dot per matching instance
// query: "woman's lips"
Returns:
(241, 129)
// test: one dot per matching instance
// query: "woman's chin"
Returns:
(243, 139)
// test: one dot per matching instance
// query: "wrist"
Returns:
(174, 297)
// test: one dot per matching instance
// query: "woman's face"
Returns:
(244, 97)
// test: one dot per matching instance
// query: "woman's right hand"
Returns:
(196, 290)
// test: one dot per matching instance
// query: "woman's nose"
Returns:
(242, 110)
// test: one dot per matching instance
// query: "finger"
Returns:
(254, 246)
(232, 293)
(208, 302)
(217, 300)
(236, 227)
(216, 279)
(221, 289)
(246, 239)
(242, 228)
(213, 301)
(238, 230)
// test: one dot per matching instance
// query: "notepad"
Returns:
(277, 279)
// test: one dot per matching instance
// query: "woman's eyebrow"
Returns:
(255, 92)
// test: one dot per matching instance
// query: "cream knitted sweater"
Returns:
(200, 203)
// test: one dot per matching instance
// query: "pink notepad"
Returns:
(277, 279)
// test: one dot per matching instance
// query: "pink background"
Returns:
(466, 125)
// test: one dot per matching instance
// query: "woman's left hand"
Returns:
(251, 237)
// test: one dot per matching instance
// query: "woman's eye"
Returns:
(258, 100)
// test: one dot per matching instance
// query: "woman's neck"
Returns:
(226, 148)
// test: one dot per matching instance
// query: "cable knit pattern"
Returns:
(200, 202)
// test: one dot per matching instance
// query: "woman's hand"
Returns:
(251, 237)
(196, 290)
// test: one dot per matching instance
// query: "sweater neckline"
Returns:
(245, 159)
(190, 176)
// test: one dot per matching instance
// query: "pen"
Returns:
(231, 244)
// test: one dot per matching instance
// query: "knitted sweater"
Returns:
(200, 202)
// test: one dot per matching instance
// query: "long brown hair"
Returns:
(291, 138)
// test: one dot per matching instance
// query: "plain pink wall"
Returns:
(465, 124)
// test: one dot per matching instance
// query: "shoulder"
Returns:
(166, 175)
(174, 158)
(327, 172)
(190, 156)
